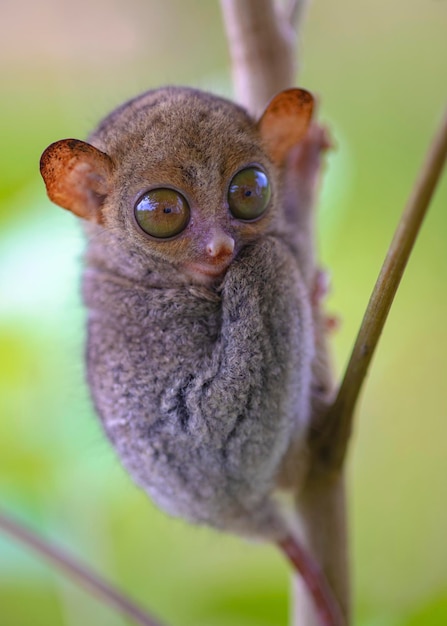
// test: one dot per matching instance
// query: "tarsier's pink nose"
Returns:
(220, 245)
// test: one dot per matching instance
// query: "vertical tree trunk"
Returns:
(321, 508)
(262, 41)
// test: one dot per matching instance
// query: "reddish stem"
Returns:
(326, 604)
(79, 573)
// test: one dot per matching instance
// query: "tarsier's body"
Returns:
(202, 346)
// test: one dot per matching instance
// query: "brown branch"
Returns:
(293, 12)
(332, 441)
(262, 40)
(262, 44)
(76, 571)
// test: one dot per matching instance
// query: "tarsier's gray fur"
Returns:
(201, 389)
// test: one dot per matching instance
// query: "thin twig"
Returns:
(76, 571)
(333, 440)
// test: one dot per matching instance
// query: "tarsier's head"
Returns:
(184, 176)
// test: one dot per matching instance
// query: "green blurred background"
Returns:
(380, 70)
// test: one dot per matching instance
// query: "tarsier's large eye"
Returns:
(162, 213)
(249, 193)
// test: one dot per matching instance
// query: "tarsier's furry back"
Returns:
(201, 343)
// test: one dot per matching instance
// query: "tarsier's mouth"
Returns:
(207, 271)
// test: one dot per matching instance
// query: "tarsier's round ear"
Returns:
(77, 177)
(285, 121)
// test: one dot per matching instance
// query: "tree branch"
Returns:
(81, 574)
(262, 43)
(332, 440)
(294, 11)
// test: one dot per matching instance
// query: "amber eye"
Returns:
(249, 194)
(162, 213)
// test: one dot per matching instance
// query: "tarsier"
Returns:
(204, 354)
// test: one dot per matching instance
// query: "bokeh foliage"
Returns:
(380, 72)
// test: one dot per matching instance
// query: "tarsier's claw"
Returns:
(322, 286)
(332, 323)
